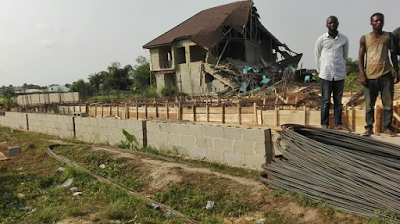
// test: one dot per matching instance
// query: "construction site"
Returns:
(242, 137)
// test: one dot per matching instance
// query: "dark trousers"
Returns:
(385, 86)
(327, 88)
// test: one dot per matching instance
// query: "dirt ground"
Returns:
(267, 207)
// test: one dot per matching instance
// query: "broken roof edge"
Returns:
(150, 46)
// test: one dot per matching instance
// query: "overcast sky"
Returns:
(60, 41)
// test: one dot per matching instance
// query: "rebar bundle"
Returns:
(349, 172)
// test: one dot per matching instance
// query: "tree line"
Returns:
(117, 78)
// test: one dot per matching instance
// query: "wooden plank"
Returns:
(305, 114)
(223, 113)
(194, 112)
(239, 114)
(207, 113)
(378, 119)
(255, 114)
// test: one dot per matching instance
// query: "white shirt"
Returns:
(330, 55)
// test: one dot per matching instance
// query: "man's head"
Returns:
(332, 23)
(377, 21)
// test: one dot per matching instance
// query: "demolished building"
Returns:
(220, 50)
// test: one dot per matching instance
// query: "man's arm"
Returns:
(346, 50)
(395, 63)
(317, 53)
(361, 54)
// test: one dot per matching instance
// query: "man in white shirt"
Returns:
(331, 51)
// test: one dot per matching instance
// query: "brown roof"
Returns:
(206, 27)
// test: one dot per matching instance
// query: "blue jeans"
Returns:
(327, 88)
(385, 86)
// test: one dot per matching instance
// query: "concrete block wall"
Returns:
(14, 120)
(108, 130)
(229, 145)
(51, 124)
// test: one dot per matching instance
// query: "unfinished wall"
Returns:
(154, 60)
(14, 120)
(47, 98)
(230, 145)
(253, 52)
(106, 130)
(50, 124)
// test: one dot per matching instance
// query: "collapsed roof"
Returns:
(206, 28)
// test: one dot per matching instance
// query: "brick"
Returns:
(215, 156)
(232, 133)
(13, 151)
(244, 147)
(165, 128)
(260, 149)
(233, 158)
(256, 135)
(223, 145)
(179, 129)
(187, 141)
(173, 141)
(205, 143)
(254, 161)
(196, 130)
(196, 152)
(213, 131)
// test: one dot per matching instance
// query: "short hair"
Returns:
(332, 17)
(378, 14)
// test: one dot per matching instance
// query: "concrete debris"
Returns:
(13, 151)
(74, 189)
(210, 205)
(67, 183)
(26, 208)
(260, 221)
(60, 170)
(102, 166)
(154, 206)
(20, 195)
(77, 194)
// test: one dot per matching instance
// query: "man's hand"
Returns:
(396, 77)
(363, 79)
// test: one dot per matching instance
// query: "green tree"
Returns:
(96, 80)
(142, 78)
(352, 81)
(117, 77)
(84, 88)
(9, 94)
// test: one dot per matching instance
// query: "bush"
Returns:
(168, 91)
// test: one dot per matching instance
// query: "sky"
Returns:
(47, 42)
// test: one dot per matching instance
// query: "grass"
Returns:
(33, 174)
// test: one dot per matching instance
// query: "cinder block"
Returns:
(233, 158)
(260, 149)
(161, 139)
(187, 141)
(256, 135)
(166, 128)
(196, 152)
(232, 133)
(196, 130)
(173, 141)
(223, 145)
(213, 131)
(13, 151)
(152, 127)
(205, 143)
(112, 123)
(254, 161)
(215, 156)
(180, 129)
(244, 147)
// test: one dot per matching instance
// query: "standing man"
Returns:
(331, 51)
(396, 35)
(375, 73)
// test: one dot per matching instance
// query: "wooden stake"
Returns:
(207, 112)
(353, 117)
(239, 112)
(145, 111)
(194, 112)
(95, 111)
(255, 114)
(167, 109)
(137, 111)
(126, 111)
(223, 113)
(305, 114)
(276, 116)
